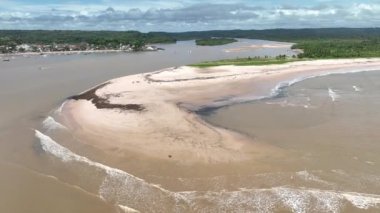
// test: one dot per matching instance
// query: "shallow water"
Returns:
(32, 88)
(324, 168)
(330, 124)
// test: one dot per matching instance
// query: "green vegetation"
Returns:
(43, 40)
(214, 41)
(256, 61)
(316, 43)
(334, 48)
(99, 38)
(126, 37)
(289, 35)
(312, 49)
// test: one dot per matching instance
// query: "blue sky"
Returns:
(185, 15)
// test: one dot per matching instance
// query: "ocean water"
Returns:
(330, 125)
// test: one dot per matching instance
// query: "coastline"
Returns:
(166, 128)
(26, 54)
(274, 45)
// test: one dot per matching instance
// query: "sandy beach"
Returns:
(275, 45)
(153, 114)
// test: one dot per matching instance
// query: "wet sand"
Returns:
(193, 162)
(154, 110)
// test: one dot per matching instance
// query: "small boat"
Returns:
(7, 60)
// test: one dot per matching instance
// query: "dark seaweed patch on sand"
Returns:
(103, 103)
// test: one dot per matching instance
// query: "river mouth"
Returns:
(271, 185)
(321, 170)
(34, 87)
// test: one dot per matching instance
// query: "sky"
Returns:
(186, 15)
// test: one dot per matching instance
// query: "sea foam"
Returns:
(117, 185)
(284, 84)
(127, 209)
(51, 124)
(333, 95)
(128, 190)
(275, 91)
(60, 108)
(356, 88)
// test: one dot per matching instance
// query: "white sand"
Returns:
(167, 126)
(260, 46)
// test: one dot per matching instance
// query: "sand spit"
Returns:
(260, 46)
(152, 114)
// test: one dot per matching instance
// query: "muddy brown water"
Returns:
(331, 125)
(31, 88)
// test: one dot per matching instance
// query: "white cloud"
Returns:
(194, 16)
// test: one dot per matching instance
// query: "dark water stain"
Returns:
(103, 103)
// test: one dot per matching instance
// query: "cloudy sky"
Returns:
(187, 15)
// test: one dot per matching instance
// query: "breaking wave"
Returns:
(333, 95)
(281, 198)
(51, 124)
(277, 91)
(60, 108)
(117, 185)
(357, 89)
(127, 209)
(125, 190)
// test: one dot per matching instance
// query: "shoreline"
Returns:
(273, 45)
(127, 193)
(169, 125)
(275, 92)
(27, 54)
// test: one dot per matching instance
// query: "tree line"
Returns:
(103, 37)
(315, 43)
(339, 48)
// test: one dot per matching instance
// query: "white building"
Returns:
(24, 47)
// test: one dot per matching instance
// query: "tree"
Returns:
(138, 45)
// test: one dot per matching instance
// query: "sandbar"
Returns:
(154, 114)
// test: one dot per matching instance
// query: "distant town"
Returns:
(81, 47)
